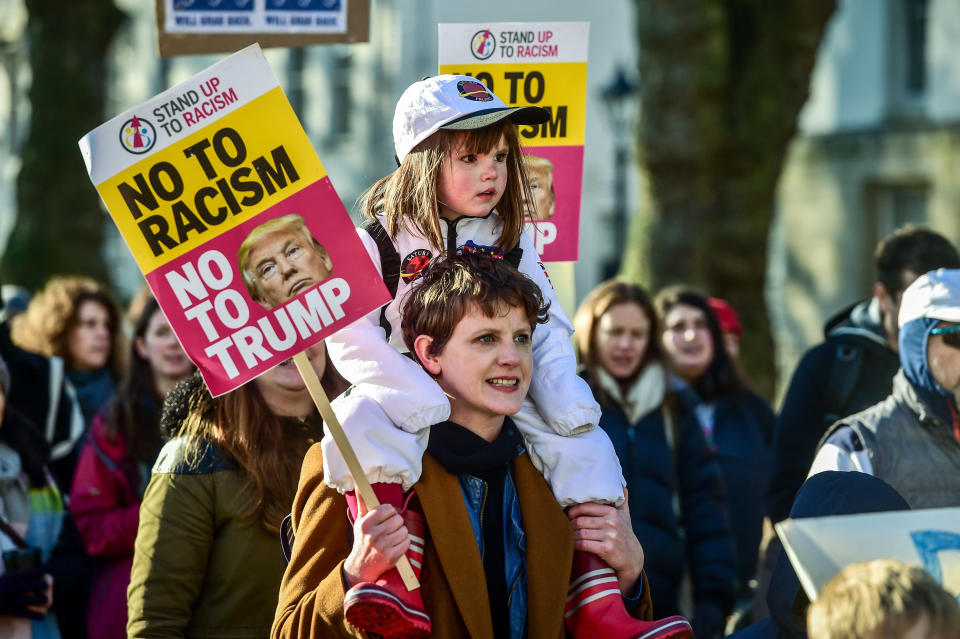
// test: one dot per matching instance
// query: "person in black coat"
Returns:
(853, 368)
(675, 489)
(75, 325)
(737, 423)
(38, 392)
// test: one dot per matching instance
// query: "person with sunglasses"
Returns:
(911, 439)
(852, 368)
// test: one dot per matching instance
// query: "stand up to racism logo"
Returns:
(137, 135)
(483, 44)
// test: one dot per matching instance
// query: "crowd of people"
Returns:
(616, 489)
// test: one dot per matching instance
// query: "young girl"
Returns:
(458, 151)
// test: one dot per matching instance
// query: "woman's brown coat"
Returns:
(453, 587)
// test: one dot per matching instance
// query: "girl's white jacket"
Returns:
(390, 438)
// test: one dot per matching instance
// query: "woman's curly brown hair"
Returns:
(44, 327)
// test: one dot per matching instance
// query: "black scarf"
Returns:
(461, 451)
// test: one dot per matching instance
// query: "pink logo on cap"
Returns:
(473, 90)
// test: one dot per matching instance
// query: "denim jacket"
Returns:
(514, 543)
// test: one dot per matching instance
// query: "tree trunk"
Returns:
(60, 227)
(722, 83)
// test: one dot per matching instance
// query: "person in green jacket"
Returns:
(207, 559)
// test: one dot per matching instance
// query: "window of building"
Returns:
(908, 56)
(340, 94)
(892, 206)
(296, 92)
(916, 46)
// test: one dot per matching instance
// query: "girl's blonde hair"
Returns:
(409, 194)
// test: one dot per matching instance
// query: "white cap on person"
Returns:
(455, 102)
(935, 295)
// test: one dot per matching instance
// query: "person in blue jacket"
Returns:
(737, 423)
(675, 489)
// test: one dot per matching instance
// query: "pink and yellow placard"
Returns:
(543, 64)
(190, 177)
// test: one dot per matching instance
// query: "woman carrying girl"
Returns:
(114, 467)
(500, 545)
(461, 187)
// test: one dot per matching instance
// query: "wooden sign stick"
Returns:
(353, 464)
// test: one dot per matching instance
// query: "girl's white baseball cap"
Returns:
(457, 102)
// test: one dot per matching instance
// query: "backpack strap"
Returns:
(513, 256)
(389, 258)
(389, 264)
(843, 377)
(101, 454)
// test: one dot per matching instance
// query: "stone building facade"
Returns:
(879, 147)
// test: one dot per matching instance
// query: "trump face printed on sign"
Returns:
(280, 259)
(540, 172)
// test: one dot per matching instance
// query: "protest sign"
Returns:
(217, 26)
(238, 231)
(253, 16)
(542, 64)
(189, 176)
(820, 547)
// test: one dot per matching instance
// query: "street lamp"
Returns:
(618, 103)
